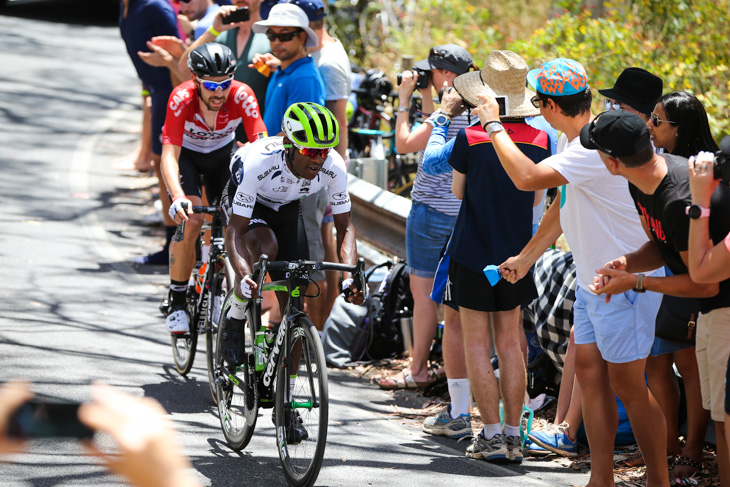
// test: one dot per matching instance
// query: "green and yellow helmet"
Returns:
(310, 125)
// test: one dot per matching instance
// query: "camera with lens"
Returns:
(721, 166)
(421, 78)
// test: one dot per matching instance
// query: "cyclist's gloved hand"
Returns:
(177, 207)
(247, 286)
(352, 293)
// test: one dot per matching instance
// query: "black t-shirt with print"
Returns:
(665, 214)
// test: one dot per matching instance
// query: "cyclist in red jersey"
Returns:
(198, 140)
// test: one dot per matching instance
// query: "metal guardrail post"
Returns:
(379, 216)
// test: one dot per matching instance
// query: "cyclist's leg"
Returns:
(182, 254)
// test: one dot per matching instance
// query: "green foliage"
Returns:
(682, 41)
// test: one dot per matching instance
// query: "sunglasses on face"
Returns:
(536, 101)
(184, 2)
(214, 85)
(282, 36)
(656, 121)
(613, 104)
(310, 152)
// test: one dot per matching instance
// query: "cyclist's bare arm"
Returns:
(171, 175)
(237, 252)
(347, 250)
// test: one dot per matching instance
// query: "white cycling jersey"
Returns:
(262, 175)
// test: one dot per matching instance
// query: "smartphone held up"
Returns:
(42, 419)
(239, 15)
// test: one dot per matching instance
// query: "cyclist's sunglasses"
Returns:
(656, 121)
(283, 36)
(214, 85)
(310, 152)
(184, 2)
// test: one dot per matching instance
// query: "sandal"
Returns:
(685, 462)
(634, 461)
(401, 380)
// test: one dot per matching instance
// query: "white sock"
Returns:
(459, 392)
(511, 430)
(238, 308)
(490, 430)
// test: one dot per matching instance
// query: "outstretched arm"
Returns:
(347, 250)
(515, 268)
(526, 175)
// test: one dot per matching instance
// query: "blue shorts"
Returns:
(662, 346)
(427, 231)
(623, 328)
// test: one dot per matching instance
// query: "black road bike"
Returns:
(285, 370)
(211, 280)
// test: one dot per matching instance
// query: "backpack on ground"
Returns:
(380, 334)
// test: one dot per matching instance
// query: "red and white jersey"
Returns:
(185, 125)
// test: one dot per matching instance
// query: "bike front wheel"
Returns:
(236, 392)
(302, 406)
(216, 301)
(184, 345)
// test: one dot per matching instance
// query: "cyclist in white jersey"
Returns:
(270, 176)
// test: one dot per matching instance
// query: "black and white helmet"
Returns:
(212, 59)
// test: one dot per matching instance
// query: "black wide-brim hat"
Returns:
(637, 88)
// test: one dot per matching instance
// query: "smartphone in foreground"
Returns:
(239, 15)
(503, 105)
(40, 419)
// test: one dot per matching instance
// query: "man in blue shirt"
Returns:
(297, 78)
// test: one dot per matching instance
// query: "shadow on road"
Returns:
(81, 12)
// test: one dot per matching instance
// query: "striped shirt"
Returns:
(435, 191)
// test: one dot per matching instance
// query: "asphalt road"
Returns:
(73, 309)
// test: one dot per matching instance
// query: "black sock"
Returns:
(178, 290)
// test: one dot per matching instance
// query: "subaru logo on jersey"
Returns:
(339, 196)
(243, 199)
(237, 170)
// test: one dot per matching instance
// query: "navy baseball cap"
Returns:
(617, 133)
(313, 8)
(448, 56)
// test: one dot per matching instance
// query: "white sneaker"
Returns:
(177, 322)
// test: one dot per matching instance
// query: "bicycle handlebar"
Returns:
(180, 230)
(263, 265)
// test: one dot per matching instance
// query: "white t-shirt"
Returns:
(334, 66)
(599, 218)
(262, 175)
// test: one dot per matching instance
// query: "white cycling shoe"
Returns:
(177, 322)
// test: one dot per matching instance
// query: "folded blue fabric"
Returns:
(493, 274)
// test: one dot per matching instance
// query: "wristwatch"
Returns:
(493, 127)
(403, 109)
(696, 212)
(440, 119)
(639, 287)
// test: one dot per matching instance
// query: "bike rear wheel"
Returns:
(307, 399)
(237, 396)
(184, 345)
(216, 301)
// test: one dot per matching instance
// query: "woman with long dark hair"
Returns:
(678, 125)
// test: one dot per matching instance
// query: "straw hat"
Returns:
(504, 74)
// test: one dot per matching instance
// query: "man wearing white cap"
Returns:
(297, 79)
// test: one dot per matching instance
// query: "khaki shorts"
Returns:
(713, 350)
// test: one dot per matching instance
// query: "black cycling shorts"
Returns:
(286, 223)
(471, 290)
(211, 169)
